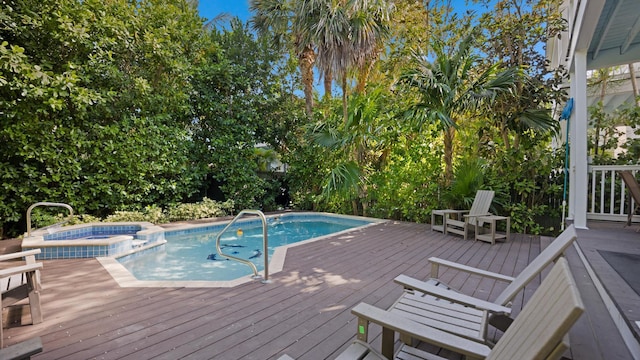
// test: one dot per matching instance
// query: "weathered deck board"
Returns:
(304, 312)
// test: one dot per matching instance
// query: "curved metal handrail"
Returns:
(265, 242)
(44, 203)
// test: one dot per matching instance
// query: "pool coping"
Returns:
(125, 279)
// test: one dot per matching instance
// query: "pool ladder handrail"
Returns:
(265, 244)
(44, 203)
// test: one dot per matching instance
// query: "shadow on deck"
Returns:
(304, 312)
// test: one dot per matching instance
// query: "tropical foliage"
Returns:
(450, 88)
(94, 104)
(383, 108)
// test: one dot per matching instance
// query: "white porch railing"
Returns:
(608, 198)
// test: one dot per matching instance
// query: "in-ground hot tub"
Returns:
(94, 240)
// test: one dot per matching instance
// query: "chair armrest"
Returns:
(466, 216)
(16, 270)
(450, 295)
(22, 350)
(421, 332)
(435, 262)
(19, 255)
(449, 211)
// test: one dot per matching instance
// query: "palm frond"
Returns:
(271, 16)
(345, 179)
(538, 120)
(326, 135)
(469, 178)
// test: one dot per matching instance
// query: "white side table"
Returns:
(492, 236)
(446, 214)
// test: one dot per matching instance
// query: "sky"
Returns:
(211, 8)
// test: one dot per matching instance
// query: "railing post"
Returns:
(608, 197)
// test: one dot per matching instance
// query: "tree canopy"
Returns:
(94, 103)
(122, 105)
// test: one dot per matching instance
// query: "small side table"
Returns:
(445, 214)
(492, 236)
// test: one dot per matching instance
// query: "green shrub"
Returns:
(42, 218)
(119, 216)
(207, 208)
(524, 219)
(468, 179)
(82, 219)
(46, 217)
(154, 214)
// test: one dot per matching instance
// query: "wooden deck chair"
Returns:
(18, 281)
(539, 332)
(461, 221)
(634, 189)
(435, 304)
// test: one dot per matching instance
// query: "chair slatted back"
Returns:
(540, 327)
(535, 267)
(632, 184)
(481, 205)
(482, 202)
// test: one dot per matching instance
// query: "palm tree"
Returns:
(513, 32)
(348, 34)
(218, 20)
(276, 17)
(450, 87)
(523, 111)
(360, 144)
(344, 34)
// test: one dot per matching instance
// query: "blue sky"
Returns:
(209, 9)
(212, 8)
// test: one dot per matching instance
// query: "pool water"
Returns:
(194, 257)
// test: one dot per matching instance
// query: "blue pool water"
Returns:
(191, 255)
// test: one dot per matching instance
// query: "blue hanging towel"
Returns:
(566, 112)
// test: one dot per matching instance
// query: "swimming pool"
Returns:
(189, 257)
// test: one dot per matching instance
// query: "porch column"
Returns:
(571, 174)
(578, 177)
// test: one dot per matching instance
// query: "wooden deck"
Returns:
(608, 236)
(304, 312)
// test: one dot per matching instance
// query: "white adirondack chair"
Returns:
(634, 189)
(461, 221)
(20, 281)
(539, 331)
(435, 304)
